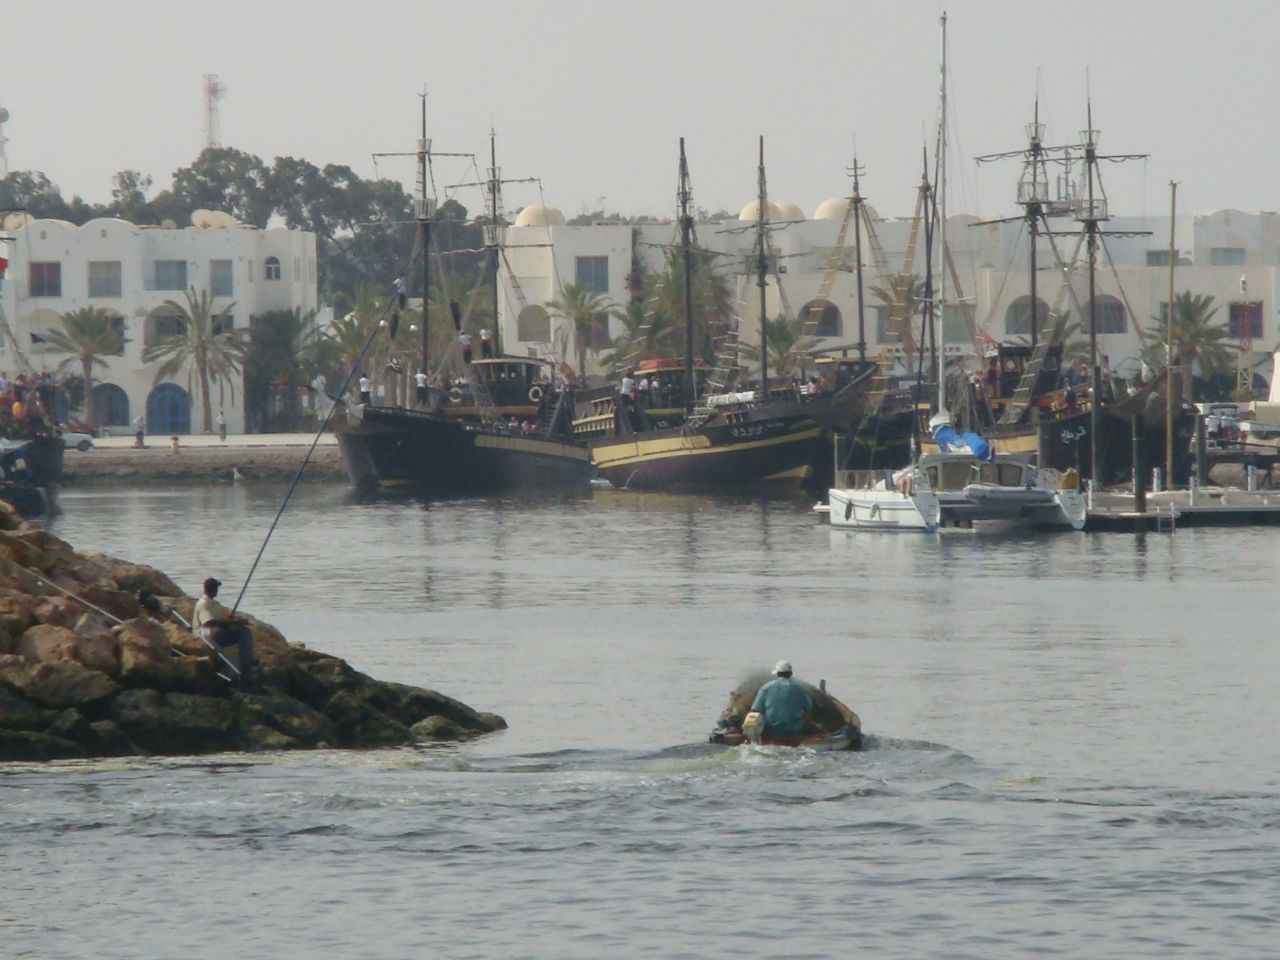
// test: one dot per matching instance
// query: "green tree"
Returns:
(1199, 342)
(222, 178)
(87, 335)
(786, 342)
(712, 297)
(210, 353)
(588, 312)
(281, 353)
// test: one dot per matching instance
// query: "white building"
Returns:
(130, 271)
(1216, 252)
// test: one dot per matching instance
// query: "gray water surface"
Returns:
(1071, 743)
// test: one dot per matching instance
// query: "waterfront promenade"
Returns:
(202, 459)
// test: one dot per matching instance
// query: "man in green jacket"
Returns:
(784, 703)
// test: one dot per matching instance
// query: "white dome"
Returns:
(832, 209)
(788, 211)
(751, 212)
(536, 215)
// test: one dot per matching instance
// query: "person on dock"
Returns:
(139, 432)
(366, 386)
(784, 703)
(222, 426)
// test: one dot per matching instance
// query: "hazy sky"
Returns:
(592, 96)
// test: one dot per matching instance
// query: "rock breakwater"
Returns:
(84, 672)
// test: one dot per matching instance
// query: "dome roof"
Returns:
(536, 215)
(788, 210)
(832, 209)
(751, 212)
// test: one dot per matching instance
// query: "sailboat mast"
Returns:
(1168, 329)
(1033, 217)
(686, 245)
(1091, 226)
(857, 249)
(491, 238)
(940, 315)
(762, 271)
(424, 226)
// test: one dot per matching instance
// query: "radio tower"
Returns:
(213, 92)
(4, 157)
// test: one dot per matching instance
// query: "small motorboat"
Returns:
(833, 726)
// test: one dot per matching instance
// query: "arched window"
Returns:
(168, 410)
(828, 322)
(533, 325)
(1109, 313)
(271, 269)
(1017, 319)
(110, 405)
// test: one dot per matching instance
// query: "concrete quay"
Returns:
(200, 458)
(1168, 510)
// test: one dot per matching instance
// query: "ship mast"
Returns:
(424, 227)
(684, 195)
(939, 316)
(762, 273)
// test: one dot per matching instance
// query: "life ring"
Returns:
(456, 394)
(535, 393)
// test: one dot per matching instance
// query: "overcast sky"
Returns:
(591, 97)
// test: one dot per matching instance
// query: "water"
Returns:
(1071, 744)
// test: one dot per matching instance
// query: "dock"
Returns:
(1169, 510)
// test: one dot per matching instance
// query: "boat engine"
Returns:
(753, 726)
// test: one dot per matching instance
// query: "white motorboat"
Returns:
(957, 489)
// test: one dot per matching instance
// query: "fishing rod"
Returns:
(324, 424)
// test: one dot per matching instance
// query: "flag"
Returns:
(36, 338)
(457, 314)
(4, 265)
(395, 323)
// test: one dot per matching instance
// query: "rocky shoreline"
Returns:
(76, 681)
(157, 465)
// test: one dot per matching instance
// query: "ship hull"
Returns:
(434, 455)
(772, 446)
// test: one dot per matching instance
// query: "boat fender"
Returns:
(535, 393)
(753, 726)
(848, 509)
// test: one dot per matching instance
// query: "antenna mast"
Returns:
(214, 91)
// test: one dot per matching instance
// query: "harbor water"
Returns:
(1071, 744)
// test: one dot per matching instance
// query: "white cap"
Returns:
(781, 667)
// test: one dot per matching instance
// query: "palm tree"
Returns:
(586, 309)
(1197, 339)
(210, 353)
(281, 352)
(712, 296)
(87, 335)
(786, 342)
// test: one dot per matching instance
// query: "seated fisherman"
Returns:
(210, 621)
(784, 703)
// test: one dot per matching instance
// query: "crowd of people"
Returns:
(25, 405)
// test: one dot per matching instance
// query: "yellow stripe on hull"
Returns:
(641, 451)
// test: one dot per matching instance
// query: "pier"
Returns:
(1199, 507)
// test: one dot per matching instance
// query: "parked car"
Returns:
(80, 441)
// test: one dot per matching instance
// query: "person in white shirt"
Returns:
(464, 338)
(486, 343)
(209, 621)
(420, 379)
(365, 386)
